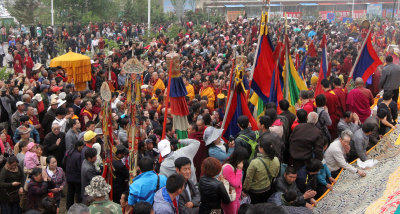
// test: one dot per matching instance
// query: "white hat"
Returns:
(53, 96)
(61, 102)
(164, 147)
(211, 134)
(62, 96)
(37, 66)
(19, 103)
(38, 97)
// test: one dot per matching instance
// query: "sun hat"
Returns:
(19, 103)
(98, 187)
(211, 134)
(54, 102)
(24, 130)
(164, 147)
(38, 97)
(37, 66)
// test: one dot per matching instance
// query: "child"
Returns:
(31, 159)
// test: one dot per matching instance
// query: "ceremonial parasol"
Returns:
(77, 67)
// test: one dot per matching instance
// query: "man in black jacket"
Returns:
(189, 199)
(121, 172)
(287, 182)
(54, 143)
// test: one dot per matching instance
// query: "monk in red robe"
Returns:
(341, 94)
(332, 101)
(360, 100)
(87, 115)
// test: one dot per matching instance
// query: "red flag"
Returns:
(311, 50)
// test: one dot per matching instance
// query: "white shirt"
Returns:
(62, 123)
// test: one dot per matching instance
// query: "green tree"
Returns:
(24, 10)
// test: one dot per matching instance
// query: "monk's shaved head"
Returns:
(359, 81)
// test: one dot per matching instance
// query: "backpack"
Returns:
(252, 143)
(322, 126)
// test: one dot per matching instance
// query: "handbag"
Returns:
(229, 188)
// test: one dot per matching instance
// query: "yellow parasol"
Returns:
(77, 67)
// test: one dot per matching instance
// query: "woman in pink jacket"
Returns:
(232, 172)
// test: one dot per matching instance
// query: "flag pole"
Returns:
(260, 34)
(358, 57)
(286, 96)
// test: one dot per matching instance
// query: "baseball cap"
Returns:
(19, 103)
(164, 147)
(89, 135)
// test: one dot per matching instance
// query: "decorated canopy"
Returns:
(77, 67)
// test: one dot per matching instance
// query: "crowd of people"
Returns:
(52, 139)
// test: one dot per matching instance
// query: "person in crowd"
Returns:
(72, 136)
(49, 117)
(88, 171)
(73, 166)
(31, 159)
(212, 190)
(359, 100)
(25, 122)
(54, 143)
(324, 119)
(99, 189)
(262, 170)
(350, 121)
(341, 93)
(62, 119)
(215, 145)
(287, 182)
(390, 78)
(385, 104)
(307, 179)
(336, 152)
(169, 152)
(11, 181)
(332, 102)
(145, 185)
(246, 137)
(121, 172)
(306, 141)
(38, 187)
(232, 172)
(89, 138)
(189, 199)
(306, 101)
(284, 106)
(360, 142)
(16, 117)
(57, 176)
(166, 200)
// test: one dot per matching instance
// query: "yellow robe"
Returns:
(190, 91)
(158, 85)
(210, 94)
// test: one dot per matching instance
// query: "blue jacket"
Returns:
(144, 186)
(216, 152)
(163, 202)
(323, 174)
(34, 134)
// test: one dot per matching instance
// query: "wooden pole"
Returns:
(167, 99)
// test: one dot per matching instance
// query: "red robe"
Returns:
(359, 101)
(84, 113)
(331, 102)
(18, 68)
(341, 107)
(28, 62)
